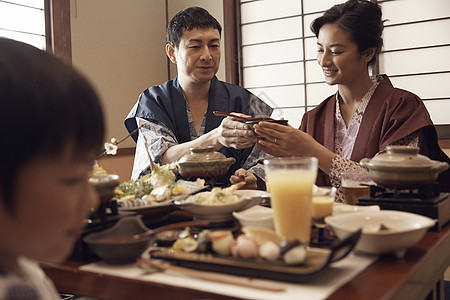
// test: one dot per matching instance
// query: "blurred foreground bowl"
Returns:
(385, 231)
(256, 216)
(120, 252)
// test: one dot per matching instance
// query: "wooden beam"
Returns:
(231, 41)
(61, 40)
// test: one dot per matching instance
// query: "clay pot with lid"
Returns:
(403, 166)
(204, 162)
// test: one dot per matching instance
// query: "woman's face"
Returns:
(52, 200)
(339, 56)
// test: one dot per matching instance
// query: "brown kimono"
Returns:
(391, 115)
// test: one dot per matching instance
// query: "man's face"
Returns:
(198, 55)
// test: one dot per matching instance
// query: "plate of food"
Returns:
(218, 204)
(152, 195)
(256, 252)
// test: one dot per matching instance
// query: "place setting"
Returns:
(224, 235)
(294, 232)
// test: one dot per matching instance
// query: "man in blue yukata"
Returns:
(178, 114)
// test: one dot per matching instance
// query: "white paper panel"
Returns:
(276, 30)
(439, 111)
(37, 41)
(284, 96)
(425, 86)
(401, 11)
(21, 18)
(319, 5)
(273, 75)
(425, 34)
(32, 3)
(313, 72)
(269, 9)
(308, 19)
(311, 48)
(293, 114)
(318, 92)
(415, 61)
(279, 52)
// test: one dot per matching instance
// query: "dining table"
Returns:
(419, 274)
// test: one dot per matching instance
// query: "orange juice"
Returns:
(322, 206)
(291, 193)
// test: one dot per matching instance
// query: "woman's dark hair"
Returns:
(45, 106)
(360, 18)
(188, 19)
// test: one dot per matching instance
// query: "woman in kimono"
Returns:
(366, 114)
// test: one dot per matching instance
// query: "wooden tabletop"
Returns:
(412, 277)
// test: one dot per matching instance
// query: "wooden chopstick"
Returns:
(241, 118)
(212, 276)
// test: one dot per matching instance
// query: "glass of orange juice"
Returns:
(290, 181)
(322, 206)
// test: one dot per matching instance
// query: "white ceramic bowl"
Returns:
(404, 230)
(343, 208)
(256, 216)
(220, 212)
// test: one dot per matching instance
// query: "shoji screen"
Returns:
(23, 20)
(417, 51)
(278, 55)
(279, 51)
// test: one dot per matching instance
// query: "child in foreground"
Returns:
(52, 129)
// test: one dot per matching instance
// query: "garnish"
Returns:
(112, 146)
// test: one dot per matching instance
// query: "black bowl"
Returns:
(120, 252)
(252, 123)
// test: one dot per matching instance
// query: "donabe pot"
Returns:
(205, 163)
(404, 167)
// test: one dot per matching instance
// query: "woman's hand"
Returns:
(235, 134)
(282, 140)
(244, 175)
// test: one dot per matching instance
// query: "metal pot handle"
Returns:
(365, 162)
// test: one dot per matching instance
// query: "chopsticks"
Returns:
(179, 225)
(241, 118)
(212, 276)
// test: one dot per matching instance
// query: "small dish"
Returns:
(252, 123)
(154, 213)
(105, 185)
(167, 238)
(256, 216)
(385, 231)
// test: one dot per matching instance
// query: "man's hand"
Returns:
(235, 134)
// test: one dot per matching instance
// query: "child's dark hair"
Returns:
(360, 18)
(45, 105)
(188, 19)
